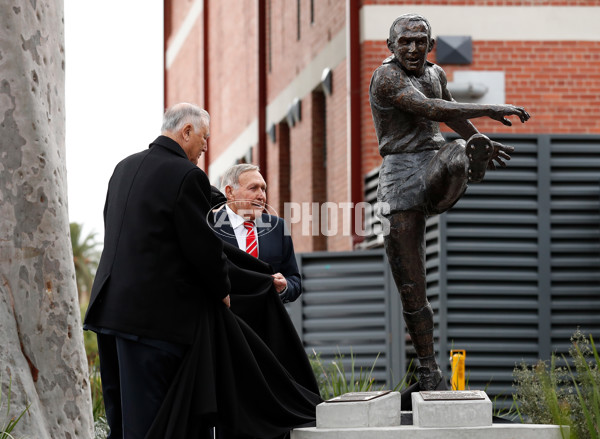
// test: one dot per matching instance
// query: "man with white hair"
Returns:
(161, 263)
(244, 223)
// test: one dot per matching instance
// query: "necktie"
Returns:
(251, 241)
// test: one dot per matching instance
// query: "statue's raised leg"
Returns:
(456, 163)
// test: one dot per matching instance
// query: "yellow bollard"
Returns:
(457, 356)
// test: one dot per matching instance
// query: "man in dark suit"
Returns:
(161, 262)
(242, 223)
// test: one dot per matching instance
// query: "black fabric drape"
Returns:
(247, 369)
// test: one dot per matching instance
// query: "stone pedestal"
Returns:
(451, 409)
(383, 411)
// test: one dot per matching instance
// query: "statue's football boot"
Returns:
(479, 149)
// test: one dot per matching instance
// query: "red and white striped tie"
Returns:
(251, 241)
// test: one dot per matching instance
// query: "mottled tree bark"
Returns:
(41, 342)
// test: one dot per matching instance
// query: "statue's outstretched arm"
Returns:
(405, 96)
(441, 110)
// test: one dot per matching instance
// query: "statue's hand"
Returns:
(502, 111)
(501, 153)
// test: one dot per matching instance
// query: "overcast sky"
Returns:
(114, 94)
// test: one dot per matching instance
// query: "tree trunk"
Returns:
(41, 342)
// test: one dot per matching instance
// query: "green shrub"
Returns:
(563, 395)
(91, 350)
(96, 388)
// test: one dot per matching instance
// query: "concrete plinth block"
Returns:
(451, 409)
(496, 431)
(383, 411)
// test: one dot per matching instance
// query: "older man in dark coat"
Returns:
(161, 263)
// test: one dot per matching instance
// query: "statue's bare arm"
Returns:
(406, 97)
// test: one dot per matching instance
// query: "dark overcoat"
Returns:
(161, 261)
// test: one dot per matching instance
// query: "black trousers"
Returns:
(135, 379)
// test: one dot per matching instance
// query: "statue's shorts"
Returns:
(403, 178)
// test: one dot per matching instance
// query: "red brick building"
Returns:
(286, 84)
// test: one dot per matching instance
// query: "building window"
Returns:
(269, 26)
(319, 162)
(298, 18)
(284, 181)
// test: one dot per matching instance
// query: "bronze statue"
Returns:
(421, 173)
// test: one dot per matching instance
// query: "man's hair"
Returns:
(409, 17)
(231, 177)
(178, 115)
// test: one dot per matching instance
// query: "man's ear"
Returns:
(187, 129)
(229, 192)
(431, 44)
(389, 44)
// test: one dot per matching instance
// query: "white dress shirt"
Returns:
(237, 224)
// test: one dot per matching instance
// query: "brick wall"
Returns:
(338, 180)
(183, 78)
(289, 55)
(233, 96)
(309, 181)
(301, 191)
(372, 54)
(295, 170)
(278, 169)
(320, 138)
(558, 82)
(319, 170)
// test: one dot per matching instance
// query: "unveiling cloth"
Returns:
(246, 370)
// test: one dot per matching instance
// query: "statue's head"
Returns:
(410, 41)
